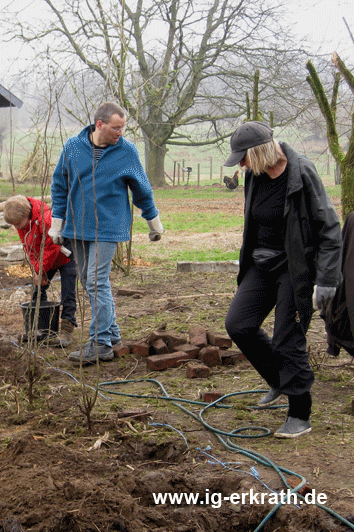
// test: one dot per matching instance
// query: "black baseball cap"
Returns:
(246, 136)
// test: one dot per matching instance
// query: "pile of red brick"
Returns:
(165, 349)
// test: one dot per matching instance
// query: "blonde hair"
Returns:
(265, 156)
(16, 209)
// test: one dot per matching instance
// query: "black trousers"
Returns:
(68, 274)
(283, 359)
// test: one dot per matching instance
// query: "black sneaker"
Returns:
(293, 428)
(90, 352)
(269, 398)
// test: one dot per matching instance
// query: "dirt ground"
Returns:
(56, 475)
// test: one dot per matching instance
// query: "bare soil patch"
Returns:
(56, 475)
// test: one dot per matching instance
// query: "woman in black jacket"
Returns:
(291, 250)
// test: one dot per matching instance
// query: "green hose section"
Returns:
(257, 457)
(165, 397)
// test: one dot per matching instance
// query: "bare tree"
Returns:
(343, 155)
(174, 65)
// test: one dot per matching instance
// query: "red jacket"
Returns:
(31, 237)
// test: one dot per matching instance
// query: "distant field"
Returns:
(195, 218)
(209, 159)
(201, 223)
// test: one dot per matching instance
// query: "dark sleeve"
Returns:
(326, 228)
(348, 266)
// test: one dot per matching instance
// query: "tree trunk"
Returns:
(255, 100)
(329, 112)
(347, 181)
(337, 174)
(156, 165)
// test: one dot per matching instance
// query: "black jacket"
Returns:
(313, 234)
(339, 315)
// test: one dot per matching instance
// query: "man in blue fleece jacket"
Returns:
(90, 204)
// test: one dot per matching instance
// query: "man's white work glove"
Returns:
(156, 228)
(56, 230)
(323, 295)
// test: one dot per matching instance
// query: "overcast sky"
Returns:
(320, 20)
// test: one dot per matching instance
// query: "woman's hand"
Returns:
(44, 280)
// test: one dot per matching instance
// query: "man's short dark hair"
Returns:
(106, 110)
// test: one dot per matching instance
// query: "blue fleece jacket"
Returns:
(92, 196)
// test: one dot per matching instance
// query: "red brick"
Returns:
(156, 335)
(198, 336)
(198, 371)
(121, 350)
(129, 343)
(293, 482)
(141, 348)
(221, 340)
(170, 360)
(229, 358)
(210, 356)
(158, 347)
(210, 397)
(192, 350)
(171, 340)
(175, 341)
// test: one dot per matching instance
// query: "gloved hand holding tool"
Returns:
(156, 228)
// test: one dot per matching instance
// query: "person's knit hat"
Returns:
(247, 136)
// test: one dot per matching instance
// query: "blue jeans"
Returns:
(94, 260)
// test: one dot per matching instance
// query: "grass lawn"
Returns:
(206, 216)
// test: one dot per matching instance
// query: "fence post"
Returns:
(198, 175)
(221, 172)
(211, 168)
(178, 173)
(183, 167)
(174, 172)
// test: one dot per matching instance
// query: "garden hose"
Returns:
(257, 457)
(228, 443)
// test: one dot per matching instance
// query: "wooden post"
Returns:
(174, 172)
(178, 173)
(211, 168)
(198, 175)
(183, 167)
(221, 173)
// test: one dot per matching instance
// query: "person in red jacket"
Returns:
(32, 218)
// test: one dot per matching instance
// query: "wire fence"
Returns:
(199, 174)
